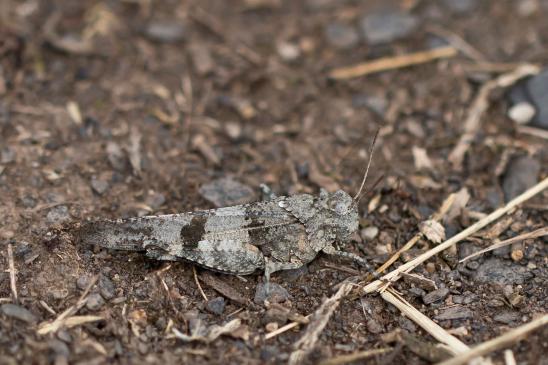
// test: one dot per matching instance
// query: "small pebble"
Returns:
(374, 327)
(460, 6)
(369, 233)
(271, 327)
(456, 312)
(18, 312)
(498, 271)
(435, 296)
(288, 51)
(521, 174)
(216, 305)
(165, 31)
(507, 317)
(155, 200)
(58, 215)
(106, 287)
(278, 294)
(83, 281)
(99, 186)
(341, 36)
(387, 26)
(94, 301)
(7, 155)
(226, 192)
(521, 113)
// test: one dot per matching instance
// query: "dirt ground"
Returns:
(127, 108)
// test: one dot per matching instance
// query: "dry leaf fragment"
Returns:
(212, 333)
(432, 230)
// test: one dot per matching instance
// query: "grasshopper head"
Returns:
(343, 213)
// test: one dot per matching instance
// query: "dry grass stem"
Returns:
(509, 358)
(407, 267)
(344, 359)
(79, 320)
(198, 284)
(532, 131)
(52, 327)
(391, 63)
(538, 233)
(455, 345)
(13, 273)
(497, 343)
(480, 105)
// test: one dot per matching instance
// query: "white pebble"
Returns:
(521, 113)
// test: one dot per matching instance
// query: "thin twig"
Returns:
(407, 267)
(480, 105)
(360, 355)
(391, 63)
(13, 272)
(198, 284)
(497, 343)
(538, 233)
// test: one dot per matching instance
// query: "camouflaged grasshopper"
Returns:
(278, 234)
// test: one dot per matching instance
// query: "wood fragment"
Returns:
(480, 105)
(13, 273)
(223, 288)
(391, 63)
(407, 267)
(360, 355)
(537, 233)
(509, 338)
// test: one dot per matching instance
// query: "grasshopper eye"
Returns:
(338, 205)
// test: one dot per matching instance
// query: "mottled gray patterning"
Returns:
(279, 234)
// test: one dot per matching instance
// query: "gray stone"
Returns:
(341, 35)
(18, 312)
(155, 200)
(521, 174)
(226, 192)
(277, 294)
(106, 287)
(497, 271)
(165, 31)
(369, 233)
(276, 315)
(456, 312)
(94, 302)
(99, 186)
(374, 327)
(460, 6)
(294, 274)
(386, 26)
(522, 112)
(216, 305)
(537, 88)
(7, 155)
(58, 215)
(534, 91)
(376, 104)
(435, 296)
(83, 282)
(507, 317)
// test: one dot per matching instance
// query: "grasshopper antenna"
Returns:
(357, 197)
